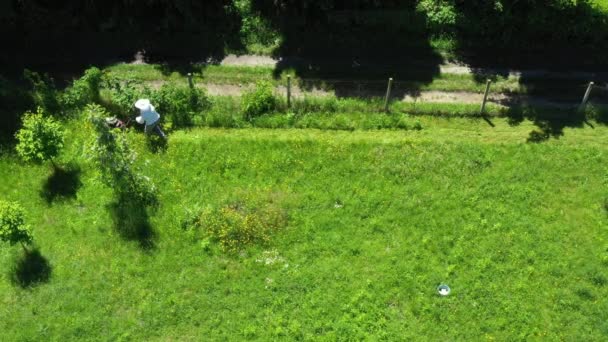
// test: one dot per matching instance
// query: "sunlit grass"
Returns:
(375, 221)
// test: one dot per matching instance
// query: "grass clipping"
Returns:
(238, 224)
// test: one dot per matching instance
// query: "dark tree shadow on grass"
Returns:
(131, 221)
(31, 268)
(62, 184)
(551, 121)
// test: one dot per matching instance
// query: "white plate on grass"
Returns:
(443, 290)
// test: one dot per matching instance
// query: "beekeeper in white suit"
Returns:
(149, 117)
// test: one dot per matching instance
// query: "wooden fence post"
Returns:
(288, 91)
(190, 83)
(388, 94)
(586, 98)
(485, 97)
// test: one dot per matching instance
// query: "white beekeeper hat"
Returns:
(143, 104)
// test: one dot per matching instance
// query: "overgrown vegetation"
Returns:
(114, 159)
(41, 137)
(12, 224)
(236, 226)
(259, 100)
(181, 105)
(84, 90)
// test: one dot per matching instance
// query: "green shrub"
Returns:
(84, 90)
(260, 100)
(180, 104)
(123, 95)
(40, 138)
(12, 224)
(43, 91)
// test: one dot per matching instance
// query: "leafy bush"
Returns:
(84, 90)
(180, 104)
(124, 94)
(43, 91)
(40, 138)
(12, 224)
(260, 100)
(115, 160)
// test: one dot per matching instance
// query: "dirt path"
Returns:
(431, 96)
(404, 94)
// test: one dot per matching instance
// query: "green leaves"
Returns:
(40, 138)
(12, 224)
(84, 90)
(180, 104)
(260, 100)
(115, 160)
(441, 15)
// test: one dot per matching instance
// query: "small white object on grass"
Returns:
(443, 290)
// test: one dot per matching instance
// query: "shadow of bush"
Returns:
(131, 221)
(30, 269)
(62, 184)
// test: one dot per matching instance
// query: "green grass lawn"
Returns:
(374, 222)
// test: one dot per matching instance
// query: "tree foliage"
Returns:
(117, 15)
(208, 28)
(115, 160)
(84, 90)
(40, 138)
(12, 224)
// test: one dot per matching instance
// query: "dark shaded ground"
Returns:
(62, 184)
(344, 50)
(31, 268)
(131, 221)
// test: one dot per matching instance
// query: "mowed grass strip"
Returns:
(376, 220)
(349, 82)
(245, 75)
